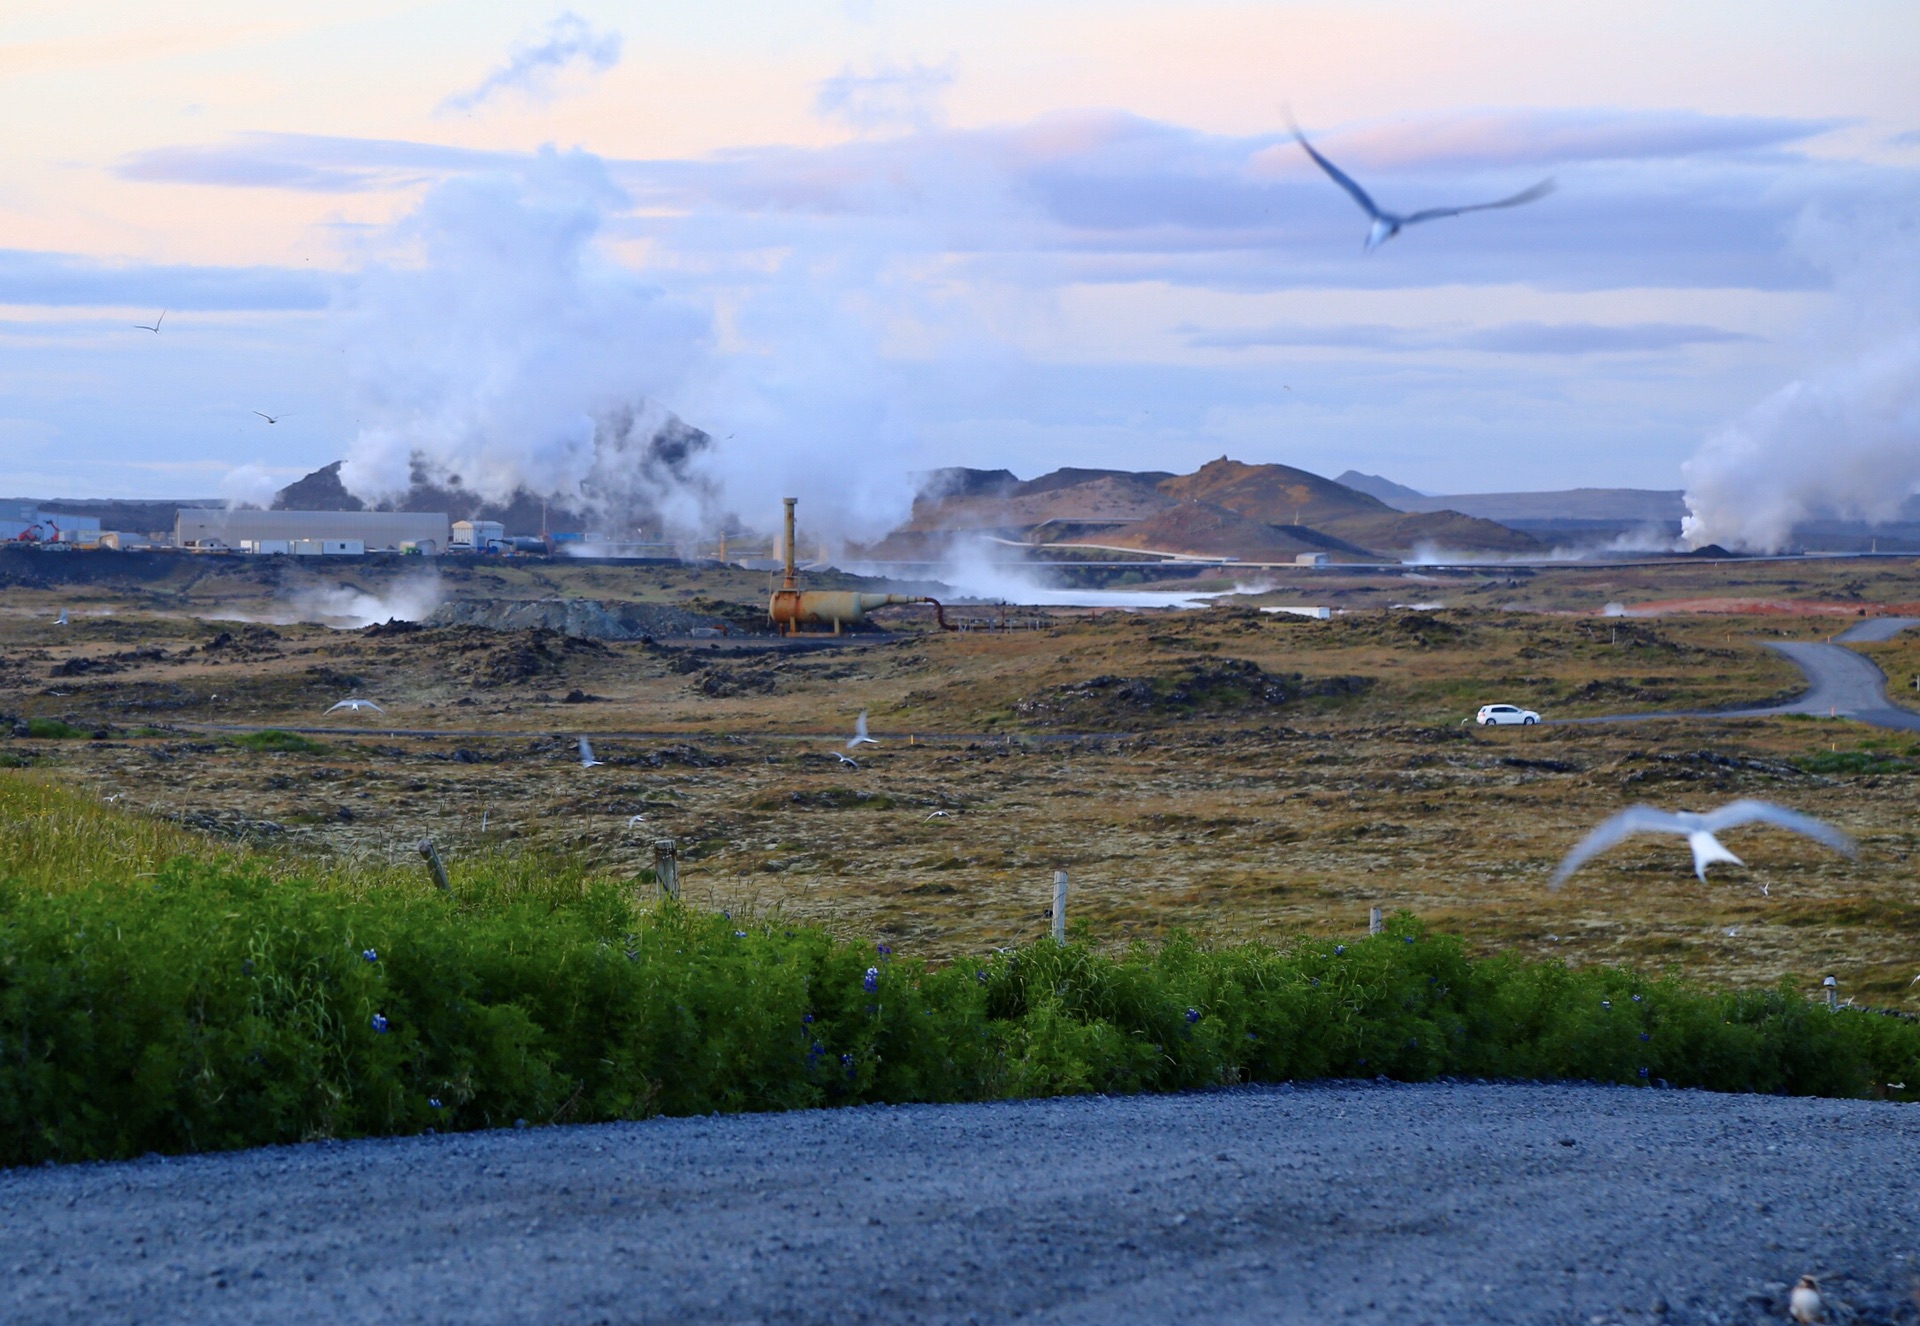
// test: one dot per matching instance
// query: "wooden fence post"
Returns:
(1374, 922)
(435, 865)
(1059, 906)
(666, 866)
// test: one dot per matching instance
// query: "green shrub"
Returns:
(213, 1005)
(274, 739)
(52, 728)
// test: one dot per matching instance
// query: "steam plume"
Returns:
(1843, 440)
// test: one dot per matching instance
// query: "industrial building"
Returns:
(25, 521)
(320, 532)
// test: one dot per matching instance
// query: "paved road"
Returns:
(1840, 683)
(1401, 1204)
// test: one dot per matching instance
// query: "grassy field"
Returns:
(159, 992)
(1229, 773)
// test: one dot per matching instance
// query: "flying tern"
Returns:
(1699, 831)
(860, 737)
(1388, 224)
(271, 418)
(153, 326)
(357, 705)
(61, 620)
(850, 763)
(941, 815)
(586, 755)
(633, 820)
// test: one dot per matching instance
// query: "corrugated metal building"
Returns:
(196, 526)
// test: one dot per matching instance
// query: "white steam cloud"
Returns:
(533, 66)
(497, 344)
(1844, 440)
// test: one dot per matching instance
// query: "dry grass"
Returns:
(1260, 821)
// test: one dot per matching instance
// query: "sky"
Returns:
(858, 239)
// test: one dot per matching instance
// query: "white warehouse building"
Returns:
(328, 531)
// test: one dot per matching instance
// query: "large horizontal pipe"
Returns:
(792, 609)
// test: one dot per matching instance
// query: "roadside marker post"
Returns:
(434, 864)
(1833, 994)
(1375, 924)
(666, 867)
(1060, 907)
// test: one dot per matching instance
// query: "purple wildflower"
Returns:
(871, 981)
(379, 1023)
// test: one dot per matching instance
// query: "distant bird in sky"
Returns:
(1388, 224)
(586, 755)
(860, 737)
(154, 326)
(272, 418)
(851, 764)
(1699, 831)
(61, 620)
(356, 705)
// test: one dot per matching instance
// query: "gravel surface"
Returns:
(1402, 1204)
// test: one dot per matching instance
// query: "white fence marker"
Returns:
(1059, 906)
(1374, 922)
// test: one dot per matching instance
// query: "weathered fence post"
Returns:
(666, 866)
(1833, 993)
(1059, 906)
(1374, 922)
(435, 865)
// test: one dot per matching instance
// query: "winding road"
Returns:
(1840, 683)
(1439, 1203)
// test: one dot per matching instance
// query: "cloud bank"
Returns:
(533, 66)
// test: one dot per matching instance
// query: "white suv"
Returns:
(1505, 713)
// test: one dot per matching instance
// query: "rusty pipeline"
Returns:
(795, 609)
(792, 607)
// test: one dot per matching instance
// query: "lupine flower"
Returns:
(433, 1102)
(1636, 999)
(379, 1023)
(1339, 950)
(1606, 1003)
(1645, 1037)
(370, 954)
(1643, 1072)
(871, 981)
(1193, 1015)
(808, 1019)
(847, 1059)
(247, 966)
(1409, 939)
(739, 934)
(981, 977)
(883, 950)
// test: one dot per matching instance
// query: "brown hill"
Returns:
(1207, 529)
(1276, 494)
(1109, 497)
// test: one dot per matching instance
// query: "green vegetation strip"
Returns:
(206, 1001)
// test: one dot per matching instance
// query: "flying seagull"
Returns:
(61, 620)
(1699, 831)
(357, 705)
(586, 755)
(271, 418)
(845, 760)
(860, 737)
(1388, 224)
(154, 326)
(941, 815)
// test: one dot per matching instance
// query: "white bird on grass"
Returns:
(586, 755)
(860, 737)
(1388, 224)
(1699, 831)
(356, 705)
(851, 764)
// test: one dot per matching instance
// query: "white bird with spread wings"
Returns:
(586, 755)
(1699, 831)
(860, 737)
(355, 706)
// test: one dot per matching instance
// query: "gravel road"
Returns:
(1370, 1202)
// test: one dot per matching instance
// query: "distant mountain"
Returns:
(525, 514)
(1393, 494)
(1225, 508)
(1651, 505)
